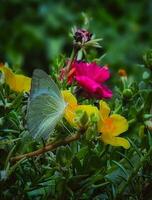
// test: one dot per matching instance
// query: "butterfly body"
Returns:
(46, 106)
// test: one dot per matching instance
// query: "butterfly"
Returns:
(46, 105)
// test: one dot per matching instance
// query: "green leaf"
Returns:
(64, 155)
(76, 165)
(146, 75)
(82, 153)
(121, 167)
(135, 147)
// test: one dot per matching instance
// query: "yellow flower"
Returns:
(111, 126)
(71, 101)
(17, 82)
(72, 108)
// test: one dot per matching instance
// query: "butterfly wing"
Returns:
(46, 106)
(43, 84)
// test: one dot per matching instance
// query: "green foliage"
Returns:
(84, 169)
(35, 32)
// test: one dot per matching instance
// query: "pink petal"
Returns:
(104, 92)
(87, 83)
(92, 70)
(93, 88)
(102, 75)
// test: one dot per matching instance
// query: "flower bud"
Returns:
(90, 133)
(141, 131)
(127, 93)
(122, 72)
(82, 35)
(82, 118)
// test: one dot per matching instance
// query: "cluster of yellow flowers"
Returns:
(109, 126)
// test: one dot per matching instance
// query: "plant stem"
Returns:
(131, 121)
(133, 174)
(124, 82)
(72, 57)
(48, 147)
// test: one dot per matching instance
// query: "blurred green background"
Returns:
(34, 32)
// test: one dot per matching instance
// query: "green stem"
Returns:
(2, 98)
(133, 174)
(72, 57)
(124, 82)
(117, 109)
(131, 121)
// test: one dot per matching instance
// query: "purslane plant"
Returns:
(109, 126)
(81, 153)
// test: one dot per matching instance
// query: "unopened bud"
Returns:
(82, 35)
(82, 118)
(141, 131)
(122, 72)
(127, 93)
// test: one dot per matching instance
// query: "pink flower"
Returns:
(91, 78)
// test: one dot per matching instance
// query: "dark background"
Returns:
(33, 33)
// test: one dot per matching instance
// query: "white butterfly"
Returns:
(46, 105)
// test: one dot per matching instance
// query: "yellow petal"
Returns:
(70, 116)
(71, 101)
(114, 125)
(104, 109)
(73, 107)
(89, 109)
(115, 141)
(120, 124)
(16, 82)
(20, 83)
(69, 98)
